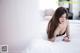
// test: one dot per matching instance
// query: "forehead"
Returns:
(64, 15)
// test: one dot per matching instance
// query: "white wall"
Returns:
(18, 23)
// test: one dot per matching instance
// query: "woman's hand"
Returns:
(66, 39)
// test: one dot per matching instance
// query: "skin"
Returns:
(62, 27)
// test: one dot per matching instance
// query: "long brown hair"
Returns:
(53, 23)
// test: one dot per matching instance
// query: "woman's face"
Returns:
(62, 18)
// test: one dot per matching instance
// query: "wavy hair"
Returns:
(53, 23)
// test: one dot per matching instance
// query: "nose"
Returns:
(64, 18)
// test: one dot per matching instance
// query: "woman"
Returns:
(58, 25)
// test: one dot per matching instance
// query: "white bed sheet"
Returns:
(42, 45)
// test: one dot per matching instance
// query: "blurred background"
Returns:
(25, 20)
(73, 6)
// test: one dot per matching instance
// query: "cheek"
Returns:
(60, 19)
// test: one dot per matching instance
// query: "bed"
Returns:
(42, 45)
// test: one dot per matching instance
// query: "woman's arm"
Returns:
(67, 35)
(67, 31)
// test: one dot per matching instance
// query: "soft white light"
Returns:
(47, 4)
